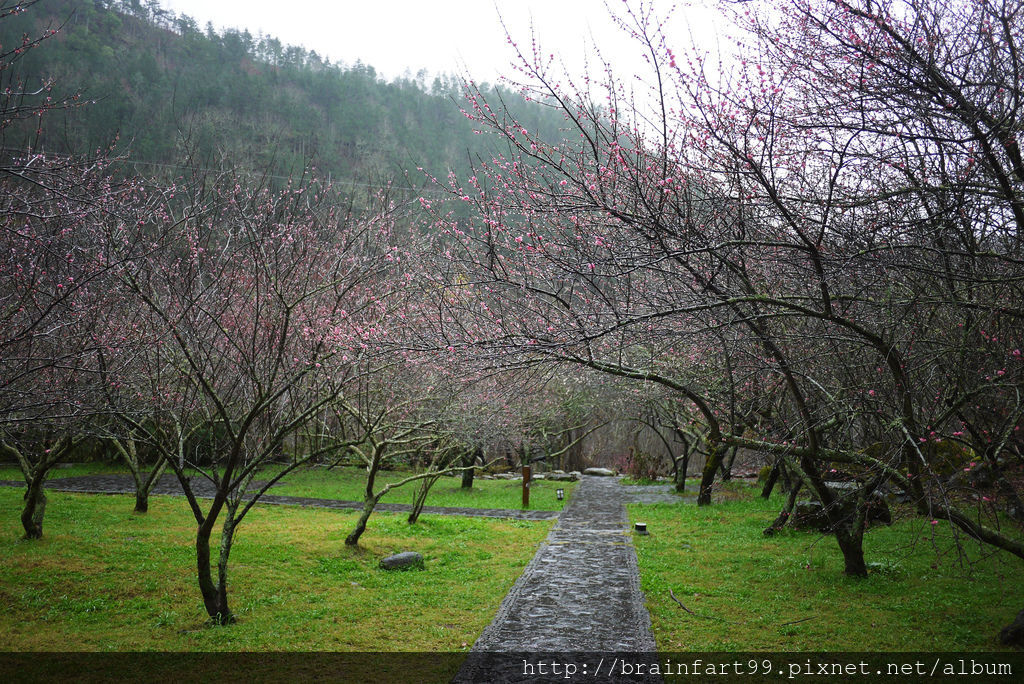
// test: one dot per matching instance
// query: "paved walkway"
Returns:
(578, 603)
(169, 485)
(581, 592)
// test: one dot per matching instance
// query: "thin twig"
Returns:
(712, 617)
(680, 603)
(706, 617)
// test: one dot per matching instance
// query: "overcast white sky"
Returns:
(442, 36)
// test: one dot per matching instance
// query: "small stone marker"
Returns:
(603, 472)
(641, 528)
(403, 561)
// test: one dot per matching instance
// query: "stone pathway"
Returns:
(169, 485)
(578, 603)
(581, 592)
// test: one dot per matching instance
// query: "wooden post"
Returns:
(526, 486)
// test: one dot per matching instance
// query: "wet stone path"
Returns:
(581, 592)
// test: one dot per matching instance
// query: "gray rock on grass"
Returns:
(407, 560)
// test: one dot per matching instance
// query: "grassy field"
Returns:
(10, 471)
(348, 484)
(788, 593)
(105, 579)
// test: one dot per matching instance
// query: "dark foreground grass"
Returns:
(104, 579)
(788, 592)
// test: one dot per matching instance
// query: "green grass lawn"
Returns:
(10, 471)
(788, 592)
(349, 484)
(105, 579)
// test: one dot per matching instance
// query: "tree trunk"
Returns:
(769, 483)
(467, 475)
(227, 536)
(853, 552)
(35, 507)
(726, 465)
(682, 465)
(421, 498)
(128, 449)
(143, 488)
(215, 597)
(787, 482)
(715, 455)
(1013, 633)
(786, 514)
(35, 477)
(368, 505)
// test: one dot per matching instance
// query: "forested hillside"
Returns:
(166, 88)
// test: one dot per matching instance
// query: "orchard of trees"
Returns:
(815, 253)
(809, 249)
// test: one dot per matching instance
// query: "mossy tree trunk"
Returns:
(682, 465)
(769, 483)
(728, 459)
(215, 593)
(36, 460)
(716, 452)
(470, 460)
(787, 513)
(34, 509)
(370, 499)
(849, 533)
(369, 504)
